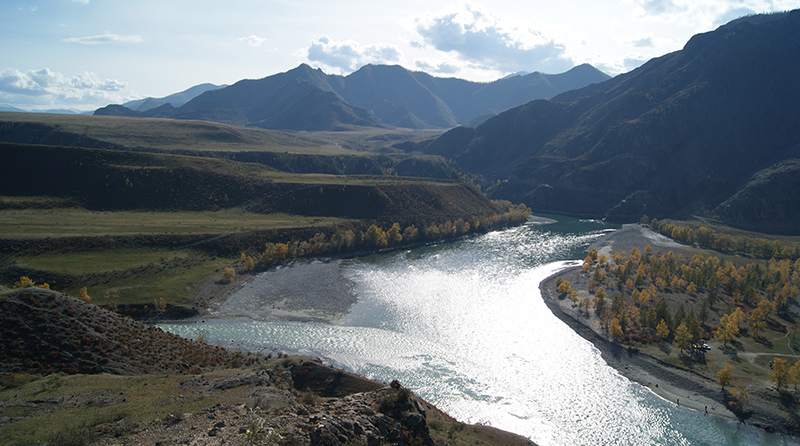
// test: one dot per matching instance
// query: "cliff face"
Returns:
(113, 180)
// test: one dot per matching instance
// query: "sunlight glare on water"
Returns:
(463, 325)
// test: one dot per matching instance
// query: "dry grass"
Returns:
(75, 222)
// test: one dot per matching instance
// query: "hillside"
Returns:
(157, 225)
(75, 373)
(46, 332)
(121, 180)
(373, 96)
(717, 122)
(335, 153)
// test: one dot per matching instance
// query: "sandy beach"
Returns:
(304, 290)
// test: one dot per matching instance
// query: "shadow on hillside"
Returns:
(732, 350)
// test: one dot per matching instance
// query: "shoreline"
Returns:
(677, 385)
(325, 296)
(273, 295)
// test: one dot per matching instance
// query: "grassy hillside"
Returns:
(154, 225)
(153, 134)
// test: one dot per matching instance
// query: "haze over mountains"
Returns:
(713, 129)
(375, 95)
(175, 99)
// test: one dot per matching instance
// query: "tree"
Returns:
(737, 317)
(600, 293)
(727, 330)
(662, 330)
(112, 297)
(394, 235)
(725, 376)
(794, 374)
(757, 321)
(615, 330)
(410, 233)
(564, 287)
(248, 262)
(159, 305)
(25, 281)
(740, 392)
(683, 338)
(780, 375)
(84, 295)
(228, 274)
(375, 237)
(281, 251)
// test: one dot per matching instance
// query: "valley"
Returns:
(418, 190)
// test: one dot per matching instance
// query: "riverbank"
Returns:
(301, 291)
(678, 385)
(304, 290)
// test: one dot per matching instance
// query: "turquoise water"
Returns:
(463, 325)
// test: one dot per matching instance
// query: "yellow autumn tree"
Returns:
(394, 235)
(84, 295)
(683, 338)
(725, 376)
(615, 329)
(228, 274)
(662, 330)
(780, 374)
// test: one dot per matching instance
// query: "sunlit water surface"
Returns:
(463, 325)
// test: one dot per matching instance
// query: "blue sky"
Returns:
(84, 54)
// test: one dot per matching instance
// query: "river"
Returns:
(463, 325)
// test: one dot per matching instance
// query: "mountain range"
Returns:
(373, 96)
(711, 130)
(175, 99)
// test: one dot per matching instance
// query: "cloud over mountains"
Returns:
(44, 88)
(348, 56)
(477, 37)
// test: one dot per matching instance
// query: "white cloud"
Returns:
(658, 6)
(253, 40)
(707, 14)
(104, 38)
(478, 38)
(437, 67)
(643, 42)
(49, 89)
(348, 56)
(85, 2)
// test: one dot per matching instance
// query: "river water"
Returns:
(463, 325)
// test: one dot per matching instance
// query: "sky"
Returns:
(85, 54)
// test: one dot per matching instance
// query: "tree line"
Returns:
(749, 246)
(375, 237)
(628, 293)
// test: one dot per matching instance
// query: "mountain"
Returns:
(375, 95)
(58, 111)
(711, 129)
(175, 99)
